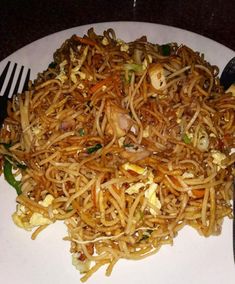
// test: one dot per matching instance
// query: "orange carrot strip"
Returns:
(198, 192)
(100, 84)
(86, 41)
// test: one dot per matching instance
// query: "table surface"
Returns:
(23, 21)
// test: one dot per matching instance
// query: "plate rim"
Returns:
(121, 22)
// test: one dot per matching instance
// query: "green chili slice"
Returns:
(9, 177)
(93, 149)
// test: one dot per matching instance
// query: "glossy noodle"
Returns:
(127, 143)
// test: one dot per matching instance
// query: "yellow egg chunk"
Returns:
(135, 168)
(23, 219)
(150, 194)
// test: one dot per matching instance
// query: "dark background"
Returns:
(23, 21)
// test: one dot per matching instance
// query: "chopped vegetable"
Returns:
(9, 177)
(166, 49)
(218, 158)
(202, 140)
(133, 67)
(128, 145)
(186, 139)
(157, 76)
(18, 165)
(135, 168)
(6, 145)
(81, 132)
(100, 84)
(199, 193)
(146, 235)
(126, 79)
(52, 65)
(93, 149)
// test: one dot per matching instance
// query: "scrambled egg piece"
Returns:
(123, 46)
(37, 219)
(62, 77)
(23, 219)
(150, 194)
(75, 71)
(105, 41)
(82, 266)
(135, 188)
(20, 218)
(135, 168)
(146, 132)
(150, 186)
(47, 200)
(218, 158)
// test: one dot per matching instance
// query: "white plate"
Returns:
(192, 259)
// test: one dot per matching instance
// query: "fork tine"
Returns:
(4, 74)
(6, 93)
(18, 81)
(25, 87)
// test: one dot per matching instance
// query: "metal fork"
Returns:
(17, 82)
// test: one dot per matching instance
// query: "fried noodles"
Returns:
(125, 142)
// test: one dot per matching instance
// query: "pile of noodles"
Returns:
(129, 141)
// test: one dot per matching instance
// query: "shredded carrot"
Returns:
(198, 192)
(175, 181)
(100, 84)
(116, 86)
(86, 41)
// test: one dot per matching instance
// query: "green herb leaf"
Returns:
(93, 149)
(6, 145)
(146, 235)
(166, 49)
(186, 139)
(81, 132)
(52, 65)
(9, 177)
